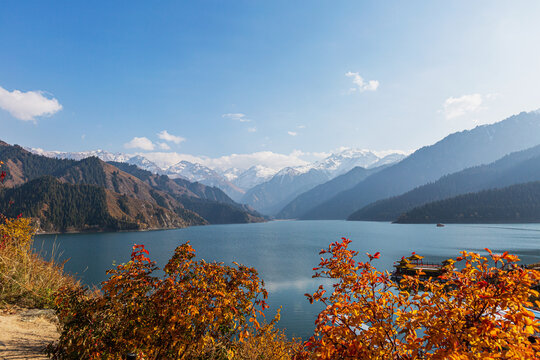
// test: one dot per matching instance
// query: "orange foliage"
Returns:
(196, 310)
(478, 312)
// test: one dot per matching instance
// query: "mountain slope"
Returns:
(157, 191)
(319, 194)
(271, 196)
(183, 169)
(518, 167)
(209, 202)
(204, 175)
(61, 207)
(250, 178)
(22, 166)
(514, 204)
(481, 145)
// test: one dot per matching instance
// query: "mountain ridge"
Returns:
(273, 195)
(517, 167)
(320, 193)
(457, 151)
(22, 167)
(519, 203)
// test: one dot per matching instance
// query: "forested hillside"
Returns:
(61, 207)
(458, 151)
(514, 204)
(209, 202)
(518, 167)
(319, 194)
(159, 199)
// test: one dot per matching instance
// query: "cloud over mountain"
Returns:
(455, 107)
(164, 135)
(140, 143)
(268, 159)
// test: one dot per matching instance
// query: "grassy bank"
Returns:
(26, 279)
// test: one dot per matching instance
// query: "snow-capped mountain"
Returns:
(253, 176)
(101, 154)
(206, 176)
(183, 169)
(106, 156)
(343, 161)
(388, 159)
(144, 163)
(191, 171)
(271, 196)
(231, 174)
(239, 183)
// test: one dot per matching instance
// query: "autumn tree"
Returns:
(197, 310)
(477, 309)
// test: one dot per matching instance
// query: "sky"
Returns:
(279, 83)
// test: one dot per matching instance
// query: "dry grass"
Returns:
(26, 279)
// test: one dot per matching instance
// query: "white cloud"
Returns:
(360, 84)
(321, 155)
(28, 105)
(164, 135)
(252, 129)
(140, 143)
(455, 107)
(236, 116)
(164, 146)
(292, 133)
(268, 159)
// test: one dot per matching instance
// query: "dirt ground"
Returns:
(24, 333)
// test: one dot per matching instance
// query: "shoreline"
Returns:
(91, 231)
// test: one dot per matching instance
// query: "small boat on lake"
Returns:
(440, 225)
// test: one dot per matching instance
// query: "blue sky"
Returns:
(267, 79)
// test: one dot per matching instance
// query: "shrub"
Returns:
(26, 279)
(478, 312)
(197, 310)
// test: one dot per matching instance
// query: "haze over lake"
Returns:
(284, 252)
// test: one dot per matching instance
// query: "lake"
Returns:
(284, 252)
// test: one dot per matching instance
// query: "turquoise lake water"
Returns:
(284, 252)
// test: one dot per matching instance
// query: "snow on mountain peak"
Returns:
(341, 162)
(235, 180)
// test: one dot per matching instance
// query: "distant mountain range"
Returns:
(249, 178)
(240, 184)
(135, 200)
(273, 195)
(518, 167)
(513, 204)
(321, 193)
(183, 169)
(481, 145)
(204, 175)
(350, 184)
